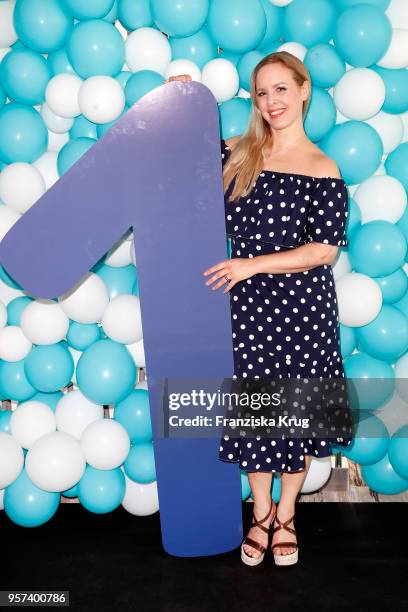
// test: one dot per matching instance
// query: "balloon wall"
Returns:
(80, 425)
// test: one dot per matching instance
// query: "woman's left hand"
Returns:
(235, 270)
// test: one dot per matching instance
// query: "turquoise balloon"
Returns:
(14, 384)
(245, 486)
(71, 493)
(104, 127)
(246, 67)
(396, 164)
(118, 280)
(24, 75)
(106, 372)
(83, 128)
(42, 25)
(321, 115)
(91, 9)
(179, 18)
(15, 309)
(398, 451)
(141, 83)
(345, 4)
(386, 337)
(370, 441)
(234, 115)
(82, 335)
(237, 25)
(311, 22)
(133, 413)
(357, 149)
(229, 248)
(27, 505)
(135, 287)
(402, 223)
(382, 478)
(23, 134)
(325, 65)
(353, 218)
(393, 286)
(113, 13)
(139, 465)
(101, 491)
(96, 47)
(231, 57)
(276, 488)
(396, 89)
(59, 63)
(51, 399)
(271, 47)
(71, 152)
(362, 35)
(348, 340)
(5, 416)
(6, 278)
(373, 380)
(123, 77)
(3, 97)
(134, 15)
(378, 248)
(402, 304)
(49, 367)
(274, 23)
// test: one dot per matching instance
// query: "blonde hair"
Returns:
(246, 161)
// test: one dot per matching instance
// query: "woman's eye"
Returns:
(282, 88)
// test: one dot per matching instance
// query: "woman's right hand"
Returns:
(184, 78)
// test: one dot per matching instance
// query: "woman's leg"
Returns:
(260, 483)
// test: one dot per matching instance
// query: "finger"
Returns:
(229, 287)
(222, 273)
(218, 266)
(222, 282)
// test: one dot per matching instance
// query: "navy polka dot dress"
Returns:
(284, 325)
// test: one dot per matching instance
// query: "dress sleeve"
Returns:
(225, 151)
(328, 212)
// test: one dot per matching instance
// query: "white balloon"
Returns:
(87, 300)
(318, 474)
(221, 77)
(359, 299)
(8, 217)
(142, 384)
(394, 413)
(47, 165)
(122, 319)
(57, 141)
(404, 119)
(8, 293)
(55, 123)
(342, 265)
(8, 35)
(31, 420)
(61, 94)
(105, 444)
(147, 49)
(119, 255)
(75, 356)
(137, 351)
(396, 55)
(339, 117)
(44, 322)
(2, 499)
(21, 185)
(359, 94)
(243, 93)
(183, 66)
(3, 52)
(295, 48)
(55, 462)
(101, 99)
(11, 459)
(381, 197)
(14, 345)
(140, 499)
(74, 412)
(133, 252)
(3, 314)
(390, 129)
(397, 13)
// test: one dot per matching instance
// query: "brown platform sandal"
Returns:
(291, 558)
(247, 559)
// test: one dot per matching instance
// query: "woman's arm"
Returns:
(305, 257)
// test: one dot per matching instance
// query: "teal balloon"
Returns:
(378, 248)
(402, 223)
(133, 412)
(396, 89)
(362, 35)
(345, 4)
(402, 304)
(15, 309)
(6, 278)
(357, 149)
(229, 248)
(276, 488)
(237, 25)
(135, 288)
(353, 218)
(96, 47)
(14, 384)
(27, 505)
(42, 25)
(372, 381)
(5, 416)
(348, 340)
(123, 77)
(91, 9)
(71, 152)
(83, 128)
(106, 372)
(141, 83)
(321, 115)
(245, 486)
(113, 13)
(49, 367)
(71, 493)
(51, 399)
(101, 128)
(274, 23)
(386, 337)
(382, 478)
(325, 65)
(398, 451)
(23, 134)
(370, 441)
(179, 17)
(24, 74)
(234, 115)
(59, 63)
(118, 280)
(139, 465)
(246, 66)
(101, 491)
(393, 286)
(271, 47)
(311, 22)
(3, 97)
(82, 335)
(231, 57)
(134, 15)
(396, 164)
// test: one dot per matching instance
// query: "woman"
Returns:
(286, 209)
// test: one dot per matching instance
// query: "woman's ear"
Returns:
(305, 90)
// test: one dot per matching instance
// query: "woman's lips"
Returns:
(277, 114)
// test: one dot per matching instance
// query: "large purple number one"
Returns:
(158, 170)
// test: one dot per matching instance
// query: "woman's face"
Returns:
(278, 96)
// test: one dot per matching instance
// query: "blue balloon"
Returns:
(71, 493)
(113, 13)
(246, 66)
(140, 83)
(5, 416)
(345, 4)
(231, 57)
(82, 335)
(91, 9)
(15, 309)
(71, 152)
(24, 75)
(237, 25)
(382, 478)
(59, 63)
(179, 18)
(276, 488)
(199, 48)
(373, 380)
(393, 286)
(83, 128)
(49, 367)
(348, 340)
(14, 384)
(101, 128)
(362, 35)
(357, 149)
(6, 278)
(370, 441)
(310, 22)
(378, 248)
(23, 134)
(396, 89)
(325, 65)
(398, 451)
(96, 47)
(123, 77)
(51, 399)
(139, 465)
(133, 412)
(396, 164)
(3, 97)
(101, 491)
(386, 337)
(106, 372)
(271, 47)
(245, 486)
(321, 115)
(118, 280)
(274, 24)
(234, 115)
(134, 15)
(27, 505)
(353, 218)
(402, 304)
(42, 25)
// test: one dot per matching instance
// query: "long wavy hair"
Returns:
(246, 161)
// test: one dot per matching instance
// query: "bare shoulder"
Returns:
(231, 142)
(324, 166)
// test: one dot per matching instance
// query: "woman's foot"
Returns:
(283, 535)
(259, 511)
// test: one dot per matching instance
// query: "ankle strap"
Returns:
(284, 525)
